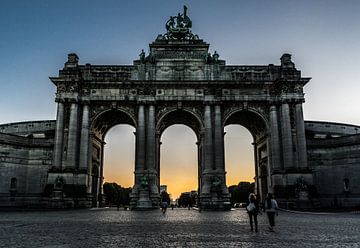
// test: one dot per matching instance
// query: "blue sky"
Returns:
(322, 36)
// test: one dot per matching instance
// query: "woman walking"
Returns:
(253, 211)
(271, 208)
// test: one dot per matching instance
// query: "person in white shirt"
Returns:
(252, 209)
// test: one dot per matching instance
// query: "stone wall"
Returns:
(334, 157)
(25, 157)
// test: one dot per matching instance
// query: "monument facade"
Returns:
(178, 82)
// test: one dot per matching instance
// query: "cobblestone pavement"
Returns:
(177, 228)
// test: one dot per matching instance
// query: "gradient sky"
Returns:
(323, 37)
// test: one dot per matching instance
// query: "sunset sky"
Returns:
(323, 37)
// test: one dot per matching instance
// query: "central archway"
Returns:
(176, 118)
(178, 161)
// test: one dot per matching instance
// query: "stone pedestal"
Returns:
(57, 199)
(69, 190)
(215, 201)
(144, 202)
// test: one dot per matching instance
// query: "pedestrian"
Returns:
(271, 208)
(164, 204)
(252, 209)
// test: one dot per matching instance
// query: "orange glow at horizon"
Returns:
(239, 155)
(179, 158)
(119, 155)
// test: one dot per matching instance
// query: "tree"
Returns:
(116, 195)
(240, 192)
(165, 197)
(187, 198)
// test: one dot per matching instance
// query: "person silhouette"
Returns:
(252, 209)
(271, 208)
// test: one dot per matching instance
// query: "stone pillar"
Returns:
(150, 139)
(101, 176)
(286, 134)
(157, 160)
(198, 145)
(140, 197)
(300, 136)
(274, 139)
(151, 150)
(208, 140)
(219, 140)
(140, 140)
(84, 144)
(257, 176)
(59, 135)
(72, 136)
(219, 148)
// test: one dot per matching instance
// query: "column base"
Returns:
(67, 190)
(215, 202)
(143, 199)
(59, 201)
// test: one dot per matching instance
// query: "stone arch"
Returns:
(256, 122)
(189, 118)
(244, 117)
(100, 124)
(105, 120)
(183, 116)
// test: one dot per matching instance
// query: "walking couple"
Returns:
(253, 209)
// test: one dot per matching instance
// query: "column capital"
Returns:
(299, 101)
(273, 108)
(59, 100)
(210, 102)
(275, 102)
(146, 102)
(85, 101)
(73, 100)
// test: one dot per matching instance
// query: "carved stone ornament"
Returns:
(61, 88)
(178, 28)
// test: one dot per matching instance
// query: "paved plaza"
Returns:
(177, 228)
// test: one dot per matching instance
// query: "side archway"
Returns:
(100, 125)
(258, 126)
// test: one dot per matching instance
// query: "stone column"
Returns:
(72, 136)
(84, 144)
(300, 136)
(59, 135)
(274, 139)
(101, 176)
(219, 148)
(209, 151)
(140, 140)
(150, 141)
(257, 176)
(286, 134)
(157, 160)
(151, 149)
(198, 144)
(219, 140)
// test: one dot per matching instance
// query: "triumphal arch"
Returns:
(178, 82)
